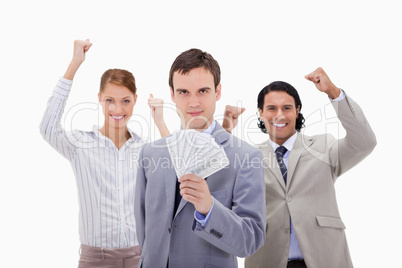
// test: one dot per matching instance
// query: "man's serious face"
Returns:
(195, 97)
(279, 115)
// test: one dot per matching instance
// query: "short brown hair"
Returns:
(118, 77)
(195, 58)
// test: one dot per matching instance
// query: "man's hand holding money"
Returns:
(194, 189)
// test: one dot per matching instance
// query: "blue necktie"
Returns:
(280, 152)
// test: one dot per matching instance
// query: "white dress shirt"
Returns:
(105, 176)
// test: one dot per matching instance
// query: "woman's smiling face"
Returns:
(117, 104)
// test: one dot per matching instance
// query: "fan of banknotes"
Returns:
(196, 153)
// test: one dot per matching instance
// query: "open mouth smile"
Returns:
(279, 125)
(117, 118)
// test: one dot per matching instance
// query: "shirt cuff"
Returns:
(201, 218)
(65, 80)
(341, 96)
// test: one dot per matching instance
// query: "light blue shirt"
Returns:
(201, 218)
(294, 249)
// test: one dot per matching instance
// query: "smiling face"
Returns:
(279, 115)
(195, 97)
(117, 104)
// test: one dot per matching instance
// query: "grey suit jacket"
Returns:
(237, 223)
(309, 196)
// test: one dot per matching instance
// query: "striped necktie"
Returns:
(280, 152)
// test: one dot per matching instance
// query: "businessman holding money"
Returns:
(190, 221)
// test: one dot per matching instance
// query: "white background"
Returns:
(358, 43)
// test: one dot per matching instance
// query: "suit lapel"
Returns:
(181, 206)
(170, 186)
(272, 163)
(221, 136)
(299, 147)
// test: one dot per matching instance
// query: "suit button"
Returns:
(289, 199)
(286, 229)
(170, 230)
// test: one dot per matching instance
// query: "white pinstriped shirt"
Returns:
(105, 176)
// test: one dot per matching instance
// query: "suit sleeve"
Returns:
(240, 230)
(139, 200)
(359, 141)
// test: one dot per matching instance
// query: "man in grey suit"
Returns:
(188, 221)
(304, 227)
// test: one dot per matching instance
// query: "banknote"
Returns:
(194, 152)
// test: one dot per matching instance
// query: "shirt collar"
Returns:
(288, 144)
(209, 130)
(134, 137)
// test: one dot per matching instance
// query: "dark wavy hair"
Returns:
(280, 86)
